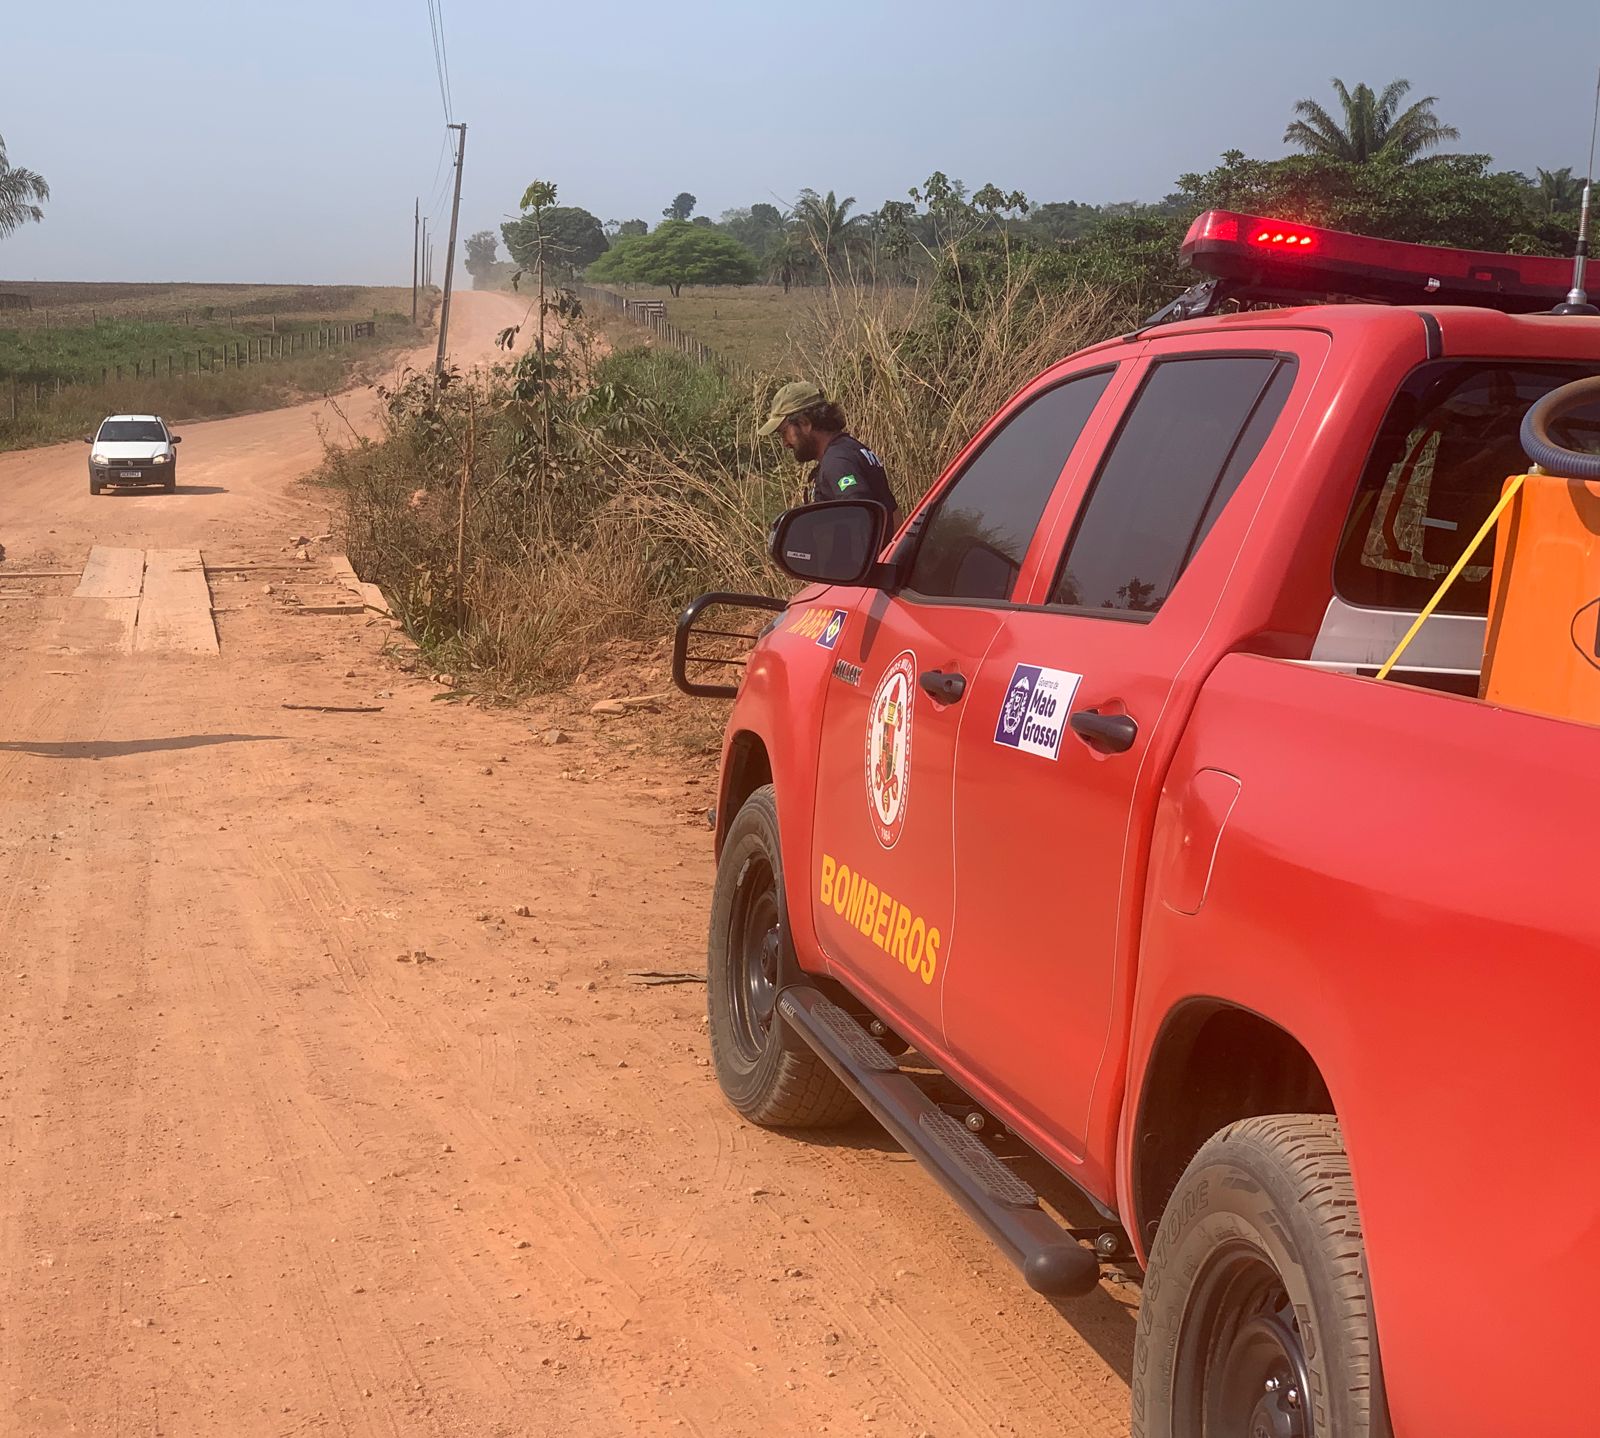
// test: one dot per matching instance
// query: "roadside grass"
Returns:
(514, 566)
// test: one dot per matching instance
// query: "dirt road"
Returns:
(305, 1129)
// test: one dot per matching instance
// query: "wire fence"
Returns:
(652, 315)
(24, 390)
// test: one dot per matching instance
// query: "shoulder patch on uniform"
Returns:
(846, 481)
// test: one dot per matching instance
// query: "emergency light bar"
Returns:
(1278, 259)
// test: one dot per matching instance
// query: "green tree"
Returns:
(1064, 219)
(754, 227)
(1373, 127)
(681, 207)
(677, 253)
(22, 193)
(482, 250)
(894, 224)
(1452, 200)
(632, 227)
(568, 238)
(1559, 191)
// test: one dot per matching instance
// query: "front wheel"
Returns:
(1256, 1318)
(170, 483)
(94, 486)
(769, 1074)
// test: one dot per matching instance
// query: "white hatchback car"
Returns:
(133, 449)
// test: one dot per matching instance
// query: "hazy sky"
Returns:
(284, 140)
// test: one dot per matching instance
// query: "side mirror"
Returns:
(175, 438)
(835, 542)
(88, 439)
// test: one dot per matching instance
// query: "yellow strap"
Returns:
(1454, 574)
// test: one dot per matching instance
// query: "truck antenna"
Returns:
(1577, 301)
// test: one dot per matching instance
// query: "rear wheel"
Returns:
(771, 1076)
(1256, 1319)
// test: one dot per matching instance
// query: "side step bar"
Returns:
(1005, 1207)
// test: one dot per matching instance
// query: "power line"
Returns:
(444, 53)
(440, 65)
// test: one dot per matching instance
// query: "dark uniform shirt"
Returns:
(849, 470)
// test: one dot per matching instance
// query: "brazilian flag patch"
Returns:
(847, 481)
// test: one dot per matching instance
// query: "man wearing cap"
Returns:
(813, 431)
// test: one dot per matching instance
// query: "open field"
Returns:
(185, 351)
(758, 326)
(54, 304)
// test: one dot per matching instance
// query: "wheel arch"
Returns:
(746, 766)
(1252, 1066)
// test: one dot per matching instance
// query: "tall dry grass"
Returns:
(517, 564)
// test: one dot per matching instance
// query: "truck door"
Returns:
(1062, 745)
(883, 857)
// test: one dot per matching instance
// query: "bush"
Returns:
(516, 561)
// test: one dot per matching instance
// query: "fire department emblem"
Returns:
(889, 748)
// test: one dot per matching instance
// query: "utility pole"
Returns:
(424, 254)
(416, 213)
(450, 255)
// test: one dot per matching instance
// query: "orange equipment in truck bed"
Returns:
(1542, 647)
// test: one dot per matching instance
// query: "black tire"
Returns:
(767, 1073)
(170, 484)
(94, 486)
(1256, 1318)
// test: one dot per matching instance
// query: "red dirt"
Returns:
(307, 1131)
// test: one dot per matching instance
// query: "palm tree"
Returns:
(1560, 189)
(21, 194)
(825, 220)
(788, 257)
(1373, 128)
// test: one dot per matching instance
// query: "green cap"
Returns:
(791, 399)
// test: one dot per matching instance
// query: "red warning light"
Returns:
(1281, 260)
(1283, 239)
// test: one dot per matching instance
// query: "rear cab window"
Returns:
(1446, 446)
(1450, 439)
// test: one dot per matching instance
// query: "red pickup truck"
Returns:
(1071, 836)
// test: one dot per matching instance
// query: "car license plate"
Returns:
(129, 474)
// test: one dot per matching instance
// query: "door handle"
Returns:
(1109, 733)
(946, 688)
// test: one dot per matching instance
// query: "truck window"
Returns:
(1192, 433)
(1448, 443)
(983, 523)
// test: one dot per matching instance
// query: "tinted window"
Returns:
(132, 431)
(983, 524)
(1447, 445)
(1192, 433)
